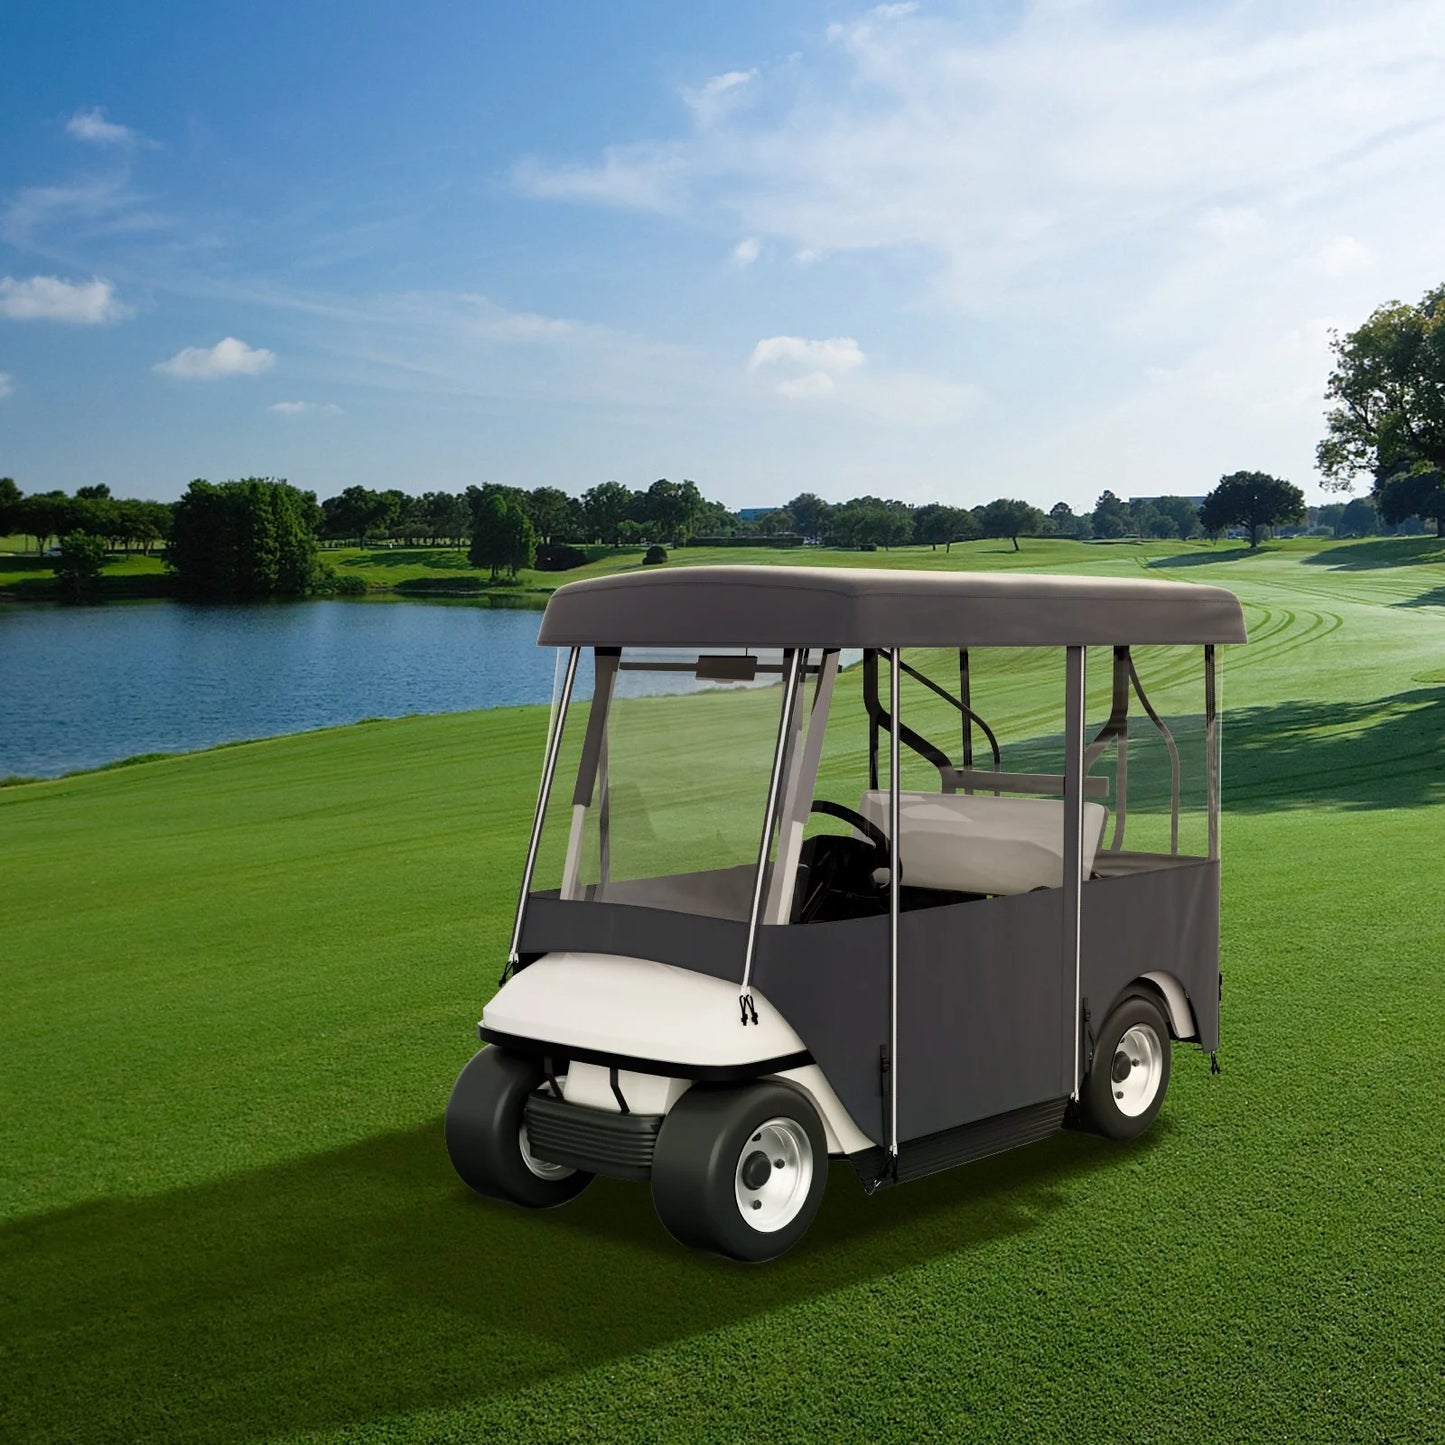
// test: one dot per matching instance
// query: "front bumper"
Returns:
(595, 1140)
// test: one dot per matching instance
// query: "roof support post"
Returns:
(554, 746)
(1211, 749)
(792, 671)
(895, 709)
(1074, 682)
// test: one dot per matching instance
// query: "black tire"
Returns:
(484, 1134)
(714, 1190)
(1126, 1084)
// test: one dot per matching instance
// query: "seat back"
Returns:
(972, 843)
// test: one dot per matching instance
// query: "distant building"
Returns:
(751, 514)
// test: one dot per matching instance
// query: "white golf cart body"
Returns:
(955, 1018)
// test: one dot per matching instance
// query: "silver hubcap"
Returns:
(773, 1175)
(540, 1167)
(1138, 1067)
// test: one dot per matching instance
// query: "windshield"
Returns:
(663, 777)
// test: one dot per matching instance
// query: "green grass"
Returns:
(237, 986)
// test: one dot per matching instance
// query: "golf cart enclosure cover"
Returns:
(649, 841)
(781, 606)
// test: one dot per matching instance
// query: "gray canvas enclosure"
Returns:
(955, 1021)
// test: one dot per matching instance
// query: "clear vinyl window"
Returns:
(662, 781)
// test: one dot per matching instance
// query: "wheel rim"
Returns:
(540, 1167)
(1138, 1068)
(770, 1198)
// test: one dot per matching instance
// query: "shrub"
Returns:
(654, 555)
(868, 546)
(81, 556)
(559, 557)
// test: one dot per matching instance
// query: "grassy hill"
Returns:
(238, 986)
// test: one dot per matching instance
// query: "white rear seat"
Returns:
(982, 844)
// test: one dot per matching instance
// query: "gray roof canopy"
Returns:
(783, 606)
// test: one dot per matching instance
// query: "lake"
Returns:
(82, 686)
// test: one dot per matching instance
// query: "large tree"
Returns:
(359, 511)
(672, 507)
(44, 515)
(606, 507)
(1360, 518)
(1416, 491)
(1011, 518)
(10, 498)
(1388, 394)
(811, 513)
(1068, 524)
(502, 533)
(866, 521)
(1110, 517)
(935, 523)
(1182, 512)
(554, 514)
(249, 538)
(1253, 500)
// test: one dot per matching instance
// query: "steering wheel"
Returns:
(866, 826)
(839, 879)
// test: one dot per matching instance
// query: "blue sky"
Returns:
(928, 251)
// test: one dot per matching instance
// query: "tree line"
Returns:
(261, 535)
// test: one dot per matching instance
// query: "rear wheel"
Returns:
(1126, 1083)
(487, 1136)
(740, 1171)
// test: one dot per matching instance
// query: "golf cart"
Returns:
(774, 911)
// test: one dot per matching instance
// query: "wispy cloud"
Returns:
(7, 384)
(715, 97)
(92, 126)
(49, 298)
(747, 251)
(228, 357)
(1010, 156)
(304, 408)
(838, 353)
(643, 178)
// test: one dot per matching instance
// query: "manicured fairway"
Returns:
(235, 989)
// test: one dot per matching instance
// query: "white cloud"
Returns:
(7, 384)
(48, 298)
(1146, 186)
(838, 353)
(747, 251)
(895, 12)
(1077, 151)
(1342, 257)
(305, 408)
(228, 357)
(798, 368)
(91, 125)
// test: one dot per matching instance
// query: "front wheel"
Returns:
(1126, 1082)
(740, 1171)
(487, 1135)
